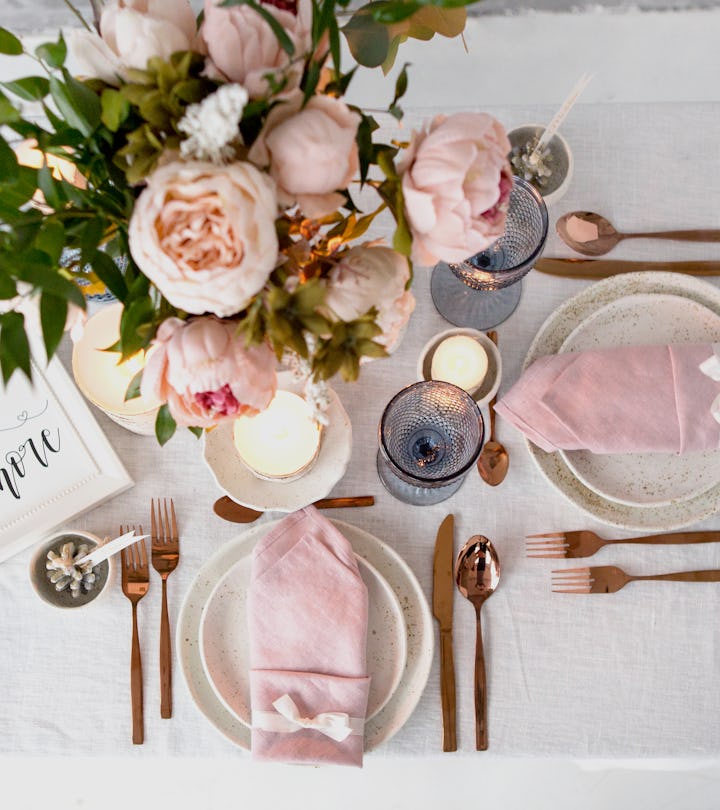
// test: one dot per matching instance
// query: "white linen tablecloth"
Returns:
(631, 675)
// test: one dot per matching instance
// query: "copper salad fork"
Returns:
(556, 545)
(165, 556)
(135, 584)
(610, 579)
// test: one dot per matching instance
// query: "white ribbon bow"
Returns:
(711, 368)
(336, 725)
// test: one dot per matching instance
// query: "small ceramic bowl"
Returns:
(46, 590)
(489, 386)
(562, 160)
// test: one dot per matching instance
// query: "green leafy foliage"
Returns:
(348, 342)
(9, 43)
(165, 425)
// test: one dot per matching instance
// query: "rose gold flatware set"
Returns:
(476, 574)
(610, 578)
(165, 554)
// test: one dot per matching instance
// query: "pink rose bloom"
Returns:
(310, 152)
(205, 234)
(204, 372)
(372, 276)
(243, 47)
(456, 181)
(131, 32)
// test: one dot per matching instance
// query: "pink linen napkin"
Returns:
(307, 617)
(627, 399)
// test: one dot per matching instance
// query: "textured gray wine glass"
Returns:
(430, 436)
(484, 290)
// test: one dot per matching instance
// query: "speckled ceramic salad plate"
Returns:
(609, 313)
(388, 565)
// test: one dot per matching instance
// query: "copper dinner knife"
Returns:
(602, 268)
(443, 593)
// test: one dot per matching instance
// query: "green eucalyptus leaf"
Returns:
(133, 389)
(14, 346)
(40, 273)
(53, 315)
(110, 275)
(77, 103)
(134, 322)
(51, 239)
(8, 288)
(8, 112)
(31, 88)
(52, 190)
(53, 53)
(196, 431)
(165, 425)
(394, 11)
(9, 43)
(368, 40)
(9, 169)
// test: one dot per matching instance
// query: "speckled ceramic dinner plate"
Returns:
(393, 569)
(645, 479)
(225, 648)
(550, 339)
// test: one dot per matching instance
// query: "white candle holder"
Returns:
(490, 384)
(103, 382)
(282, 495)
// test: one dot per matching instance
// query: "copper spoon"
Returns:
(237, 513)
(593, 235)
(477, 573)
(493, 461)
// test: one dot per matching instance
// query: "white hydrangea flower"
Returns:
(317, 394)
(212, 125)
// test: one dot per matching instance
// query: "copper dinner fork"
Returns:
(584, 543)
(165, 556)
(135, 584)
(610, 579)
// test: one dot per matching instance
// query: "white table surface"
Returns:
(618, 681)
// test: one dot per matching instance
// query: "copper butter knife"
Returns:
(602, 268)
(443, 592)
(227, 509)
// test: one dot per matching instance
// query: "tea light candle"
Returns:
(280, 442)
(460, 360)
(103, 381)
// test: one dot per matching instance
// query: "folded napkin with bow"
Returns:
(627, 399)
(307, 615)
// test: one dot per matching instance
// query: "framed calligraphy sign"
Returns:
(55, 462)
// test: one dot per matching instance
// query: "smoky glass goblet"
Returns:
(430, 436)
(484, 290)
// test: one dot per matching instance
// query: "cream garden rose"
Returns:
(244, 48)
(310, 151)
(205, 234)
(456, 182)
(372, 276)
(131, 32)
(203, 371)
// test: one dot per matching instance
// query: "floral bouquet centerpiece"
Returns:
(204, 172)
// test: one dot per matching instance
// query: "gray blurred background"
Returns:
(27, 16)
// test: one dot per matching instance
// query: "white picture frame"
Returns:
(55, 461)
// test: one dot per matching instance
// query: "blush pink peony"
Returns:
(310, 151)
(131, 32)
(456, 181)
(205, 234)
(243, 48)
(372, 276)
(204, 372)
